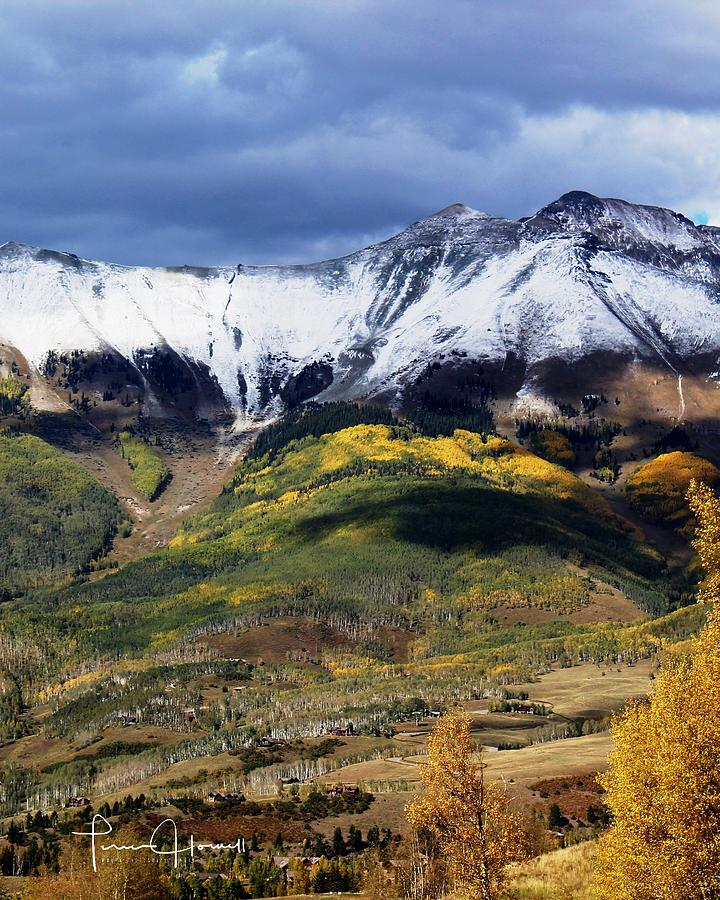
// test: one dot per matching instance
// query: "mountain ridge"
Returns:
(583, 276)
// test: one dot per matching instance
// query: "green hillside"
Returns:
(377, 523)
(393, 572)
(55, 518)
(149, 472)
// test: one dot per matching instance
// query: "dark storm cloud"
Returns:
(222, 131)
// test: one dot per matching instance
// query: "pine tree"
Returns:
(555, 818)
(664, 779)
(354, 840)
(338, 842)
(14, 833)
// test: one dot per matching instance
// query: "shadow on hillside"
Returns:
(453, 517)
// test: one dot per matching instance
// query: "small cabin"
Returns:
(340, 790)
(220, 797)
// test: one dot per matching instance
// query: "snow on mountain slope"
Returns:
(582, 275)
(622, 224)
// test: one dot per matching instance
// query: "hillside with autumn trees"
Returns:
(360, 575)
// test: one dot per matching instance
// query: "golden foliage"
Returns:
(470, 822)
(553, 446)
(664, 779)
(258, 590)
(376, 883)
(564, 593)
(706, 508)
(498, 460)
(658, 488)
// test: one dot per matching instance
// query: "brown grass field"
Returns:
(274, 639)
(386, 811)
(565, 874)
(582, 690)
(517, 769)
(606, 604)
(574, 756)
(589, 690)
(40, 750)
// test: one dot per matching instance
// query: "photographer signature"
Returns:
(191, 849)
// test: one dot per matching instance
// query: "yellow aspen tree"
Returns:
(469, 820)
(300, 877)
(377, 883)
(663, 783)
(706, 507)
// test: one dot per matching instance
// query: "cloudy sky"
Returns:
(223, 131)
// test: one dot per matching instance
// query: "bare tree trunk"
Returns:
(484, 873)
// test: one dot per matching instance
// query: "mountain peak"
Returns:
(571, 198)
(623, 225)
(17, 249)
(572, 205)
(459, 211)
(14, 247)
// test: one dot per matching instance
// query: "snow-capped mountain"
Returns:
(582, 275)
